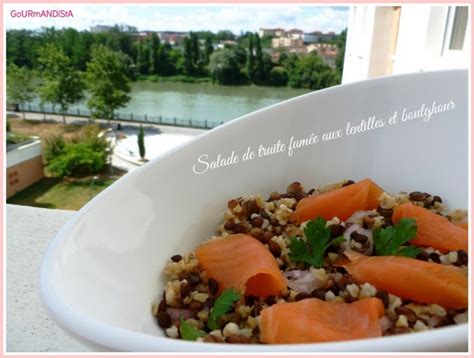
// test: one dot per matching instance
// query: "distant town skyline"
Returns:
(308, 18)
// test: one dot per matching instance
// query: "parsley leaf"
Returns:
(189, 332)
(223, 304)
(318, 240)
(389, 241)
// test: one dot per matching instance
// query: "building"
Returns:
(101, 28)
(173, 37)
(310, 38)
(328, 36)
(24, 165)
(226, 43)
(280, 42)
(295, 34)
(385, 40)
(328, 52)
(271, 32)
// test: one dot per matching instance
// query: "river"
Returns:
(199, 101)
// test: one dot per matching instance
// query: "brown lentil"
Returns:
(237, 338)
(367, 222)
(358, 237)
(257, 233)
(196, 306)
(164, 319)
(294, 188)
(435, 257)
(319, 293)
(408, 313)
(398, 330)
(274, 196)
(349, 182)
(229, 225)
(162, 306)
(416, 196)
(185, 289)
(336, 230)
(302, 295)
(423, 256)
(462, 258)
(257, 221)
(267, 236)
(176, 258)
(212, 339)
(232, 203)
(240, 228)
(386, 213)
(383, 295)
(213, 286)
(274, 248)
(270, 300)
(193, 278)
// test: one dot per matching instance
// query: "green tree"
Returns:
(259, 65)
(208, 49)
(141, 142)
(225, 69)
(62, 84)
(107, 81)
(155, 54)
(278, 76)
(251, 59)
(188, 64)
(143, 58)
(225, 35)
(196, 52)
(20, 87)
(341, 44)
(311, 72)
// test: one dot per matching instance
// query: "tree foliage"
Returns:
(225, 68)
(149, 57)
(20, 86)
(107, 81)
(62, 84)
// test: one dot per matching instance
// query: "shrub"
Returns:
(54, 146)
(86, 154)
(278, 76)
(77, 159)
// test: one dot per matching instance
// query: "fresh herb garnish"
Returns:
(318, 240)
(389, 241)
(222, 305)
(189, 332)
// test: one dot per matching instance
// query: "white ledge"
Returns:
(29, 231)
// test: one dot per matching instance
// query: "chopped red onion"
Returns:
(302, 281)
(177, 313)
(385, 323)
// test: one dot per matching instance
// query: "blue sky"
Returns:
(184, 18)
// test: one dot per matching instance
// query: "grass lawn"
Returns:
(56, 193)
(46, 130)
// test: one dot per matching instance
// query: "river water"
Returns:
(199, 101)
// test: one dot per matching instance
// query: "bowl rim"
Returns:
(106, 335)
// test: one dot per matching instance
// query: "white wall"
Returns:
(23, 153)
(358, 43)
(421, 45)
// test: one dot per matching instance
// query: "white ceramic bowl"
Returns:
(104, 268)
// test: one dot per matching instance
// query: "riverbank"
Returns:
(177, 78)
(195, 102)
